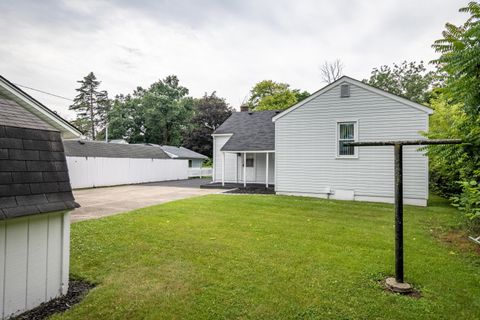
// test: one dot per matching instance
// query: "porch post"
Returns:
(266, 170)
(236, 167)
(244, 169)
(223, 169)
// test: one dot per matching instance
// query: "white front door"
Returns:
(250, 167)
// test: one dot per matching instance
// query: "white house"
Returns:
(195, 160)
(35, 199)
(301, 150)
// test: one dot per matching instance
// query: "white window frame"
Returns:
(337, 138)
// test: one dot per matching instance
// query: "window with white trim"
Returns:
(346, 132)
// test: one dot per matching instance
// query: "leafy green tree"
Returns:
(210, 112)
(167, 111)
(271, 95)
(91, 105)
(126, 118)
(459, 60)
(300, 95)
(159, 114)
(410, 80)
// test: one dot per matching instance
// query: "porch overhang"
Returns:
(243, 153)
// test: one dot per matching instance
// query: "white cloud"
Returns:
(225, 46)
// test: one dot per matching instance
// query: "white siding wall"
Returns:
(306, 147)
(230, 160)
(34, 261)
(88, 172)
(260, 168)
(197, 163)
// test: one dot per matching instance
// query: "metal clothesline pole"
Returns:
(399, 285)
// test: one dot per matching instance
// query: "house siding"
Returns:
(305, 144)
(230, 161)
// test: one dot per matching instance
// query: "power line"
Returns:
(44, 92)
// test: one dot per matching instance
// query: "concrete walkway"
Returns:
(102, 202)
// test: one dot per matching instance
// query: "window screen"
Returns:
(249, 162)
(346, 133)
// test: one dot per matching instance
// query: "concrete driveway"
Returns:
(102, 202)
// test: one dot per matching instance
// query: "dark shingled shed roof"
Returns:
(33, 170)
(252, 131)
(84, 148)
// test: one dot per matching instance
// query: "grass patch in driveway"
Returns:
(270, 257)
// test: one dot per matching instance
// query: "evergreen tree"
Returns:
(91, 105)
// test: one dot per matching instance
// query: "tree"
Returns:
(410, 80)
(91, 105)
(159, 114)
(300, 95)
(331, 71)
(271, 95)
(126, 118)
(459, 60)
(167, 111)
(210, 112)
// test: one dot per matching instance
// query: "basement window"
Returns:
(346, 132)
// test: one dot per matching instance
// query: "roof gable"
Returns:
(360, 84)
(251, 131)
(14, 115)
(23, 99)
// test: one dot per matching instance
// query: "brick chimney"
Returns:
(244, 108)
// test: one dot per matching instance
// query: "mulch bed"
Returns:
(77, 290)
(252, 190)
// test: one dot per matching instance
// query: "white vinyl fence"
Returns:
(199, 172)
(88, 172)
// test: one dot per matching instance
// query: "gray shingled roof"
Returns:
(10, 91)
(33, 170)
(83, 148)
(14, 115)
(182, 153)
(252, 131)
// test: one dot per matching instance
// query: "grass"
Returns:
(270, 257)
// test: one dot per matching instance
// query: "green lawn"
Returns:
(270, 257)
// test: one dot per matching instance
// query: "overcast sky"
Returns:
(219, 45)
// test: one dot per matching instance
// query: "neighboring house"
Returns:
(35, 199)
(120, 141)
(301, 150)
(96, 164)
(195, 159)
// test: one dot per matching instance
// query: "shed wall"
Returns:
(306, 150)
(34, 261)
(89, 172)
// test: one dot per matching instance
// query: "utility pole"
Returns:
(397, 284)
